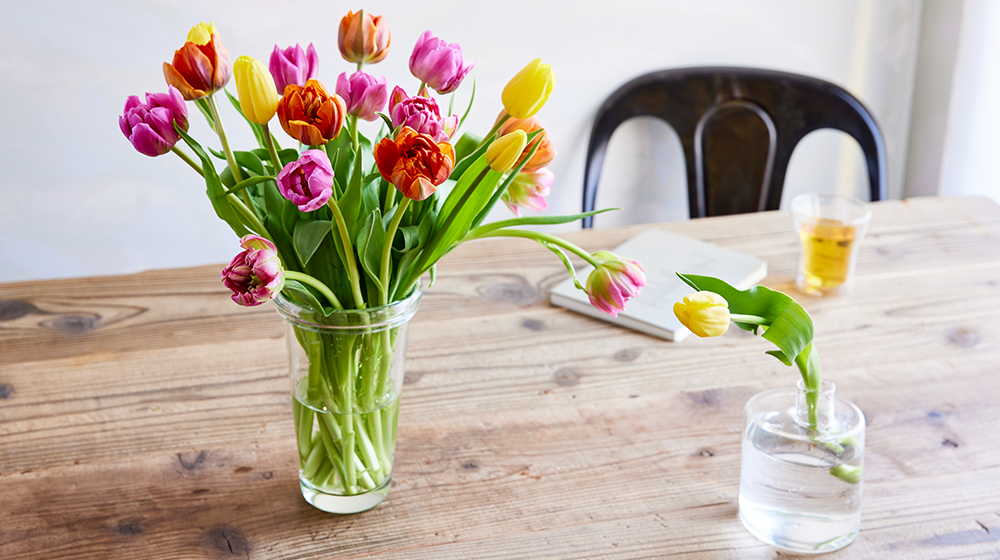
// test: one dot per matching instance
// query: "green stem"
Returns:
(275, 160)
(351, 265)
(390, 234)
(748, 319)
(235, 169)
(352, 125)
(247, 213)
(187, 159)
(540, 237)
(306, 279)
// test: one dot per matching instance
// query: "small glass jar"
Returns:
(801, 469)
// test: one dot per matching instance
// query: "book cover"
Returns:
(663, 254)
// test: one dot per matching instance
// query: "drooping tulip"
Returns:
(364, 95)
(310, 114)
(421, 114)
(255, 86)
(307, 181)
(438, 64)
(414, 163)
(614, 282)
(149, 126)
(254, 275)
(528, 90)
(293, 66)
(201, 66)
(529, 190)
(363, 38)
(504, 151)
(546, 151)
(703, 313)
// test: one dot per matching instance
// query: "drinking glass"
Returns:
(830, 228)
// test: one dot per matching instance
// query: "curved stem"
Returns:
(749, 319)
(321, 287)
(275, 160)
(187, 159)
(352, 267)
(390, 234)
(539, 236)
(255, 222)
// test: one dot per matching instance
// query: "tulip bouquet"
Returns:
(347, 222)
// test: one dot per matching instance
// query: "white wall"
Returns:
(76, 199)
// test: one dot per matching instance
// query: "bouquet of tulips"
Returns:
(351, 220)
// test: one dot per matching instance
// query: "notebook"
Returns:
(662, 254)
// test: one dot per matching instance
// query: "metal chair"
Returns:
(738, 128)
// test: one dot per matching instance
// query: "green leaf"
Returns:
(290, 215)
(371, 240)
(433, 275)
(307, 238)
(248, 183)
(469, 108)
(781, 356)
(288, 156)
(466, 145)
(250, 161)
(411, 238)
(258, 130)
(512, 174)
(386, 120)
(219, 155)
(299, 292)
(540, 220)
(216, 192)
(468, 161)
(465, 183)
(350, 203)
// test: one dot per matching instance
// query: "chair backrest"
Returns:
(738, 128)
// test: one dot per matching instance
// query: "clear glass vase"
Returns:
(347, 375)
(800, 476)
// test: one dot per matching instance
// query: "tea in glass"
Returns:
(830, 229)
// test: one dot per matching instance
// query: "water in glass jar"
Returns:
(790, 498)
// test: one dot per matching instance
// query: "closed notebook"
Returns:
(663, 254)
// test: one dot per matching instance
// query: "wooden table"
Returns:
(147, 416)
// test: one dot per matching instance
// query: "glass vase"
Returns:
(800, 476)
(347, 375)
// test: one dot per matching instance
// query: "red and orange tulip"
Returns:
(414, 163)
(201, 66)
(363, 38)
(310, 114)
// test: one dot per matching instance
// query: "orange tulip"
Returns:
(363, 38)
(414, 163)
(199, 68)
(546, 151)
(310, 114)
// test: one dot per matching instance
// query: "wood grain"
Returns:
(146, 416)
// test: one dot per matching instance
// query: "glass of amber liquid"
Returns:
(830, 228)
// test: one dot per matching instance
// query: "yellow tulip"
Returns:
(255, 86)
(528, 90)
(704, 313)
(202, 33)
(504, 151)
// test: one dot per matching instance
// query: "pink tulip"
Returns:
(149, 126)
(529, 189)
(438, 64)
(307, 181)
(363, 94)
(421, 114)
(293, 66)
(614, 282)
(255, 275)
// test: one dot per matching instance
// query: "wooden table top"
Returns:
(147, 416)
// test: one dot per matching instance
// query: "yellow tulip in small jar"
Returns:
(830, 229)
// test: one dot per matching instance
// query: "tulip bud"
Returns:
(528, 90)
(149, 126)
(364, 95)
(255, 275)
(255, 86)
(421, 114)
(614, 282)
(307, 181)
(704, 313)
(504, 151)
(362, 38)
(293, 66)
(529, 190)
(438, 64)
(545, 153)
(201, 66)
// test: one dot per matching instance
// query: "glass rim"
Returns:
(854, 430)
(385, 316)
(866, 210)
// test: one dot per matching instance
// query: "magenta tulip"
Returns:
(255, 275)
(614, 282)
(529, 190)
(438, 64)
(364, 94)
(149, 126)
(307, 181)
(293, 66)
(421, 114)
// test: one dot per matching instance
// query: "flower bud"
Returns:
(255, 86)
(421, 114)
(201, 66)
(529, 190)
(438, 64)
(614, 282)
(255, 275)
(504, 151)
(362, 38)
(704, 313)
(293, 66)
(364, 95)
(149, 126)
(310, 114)
(528, 90)
(307, 181)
